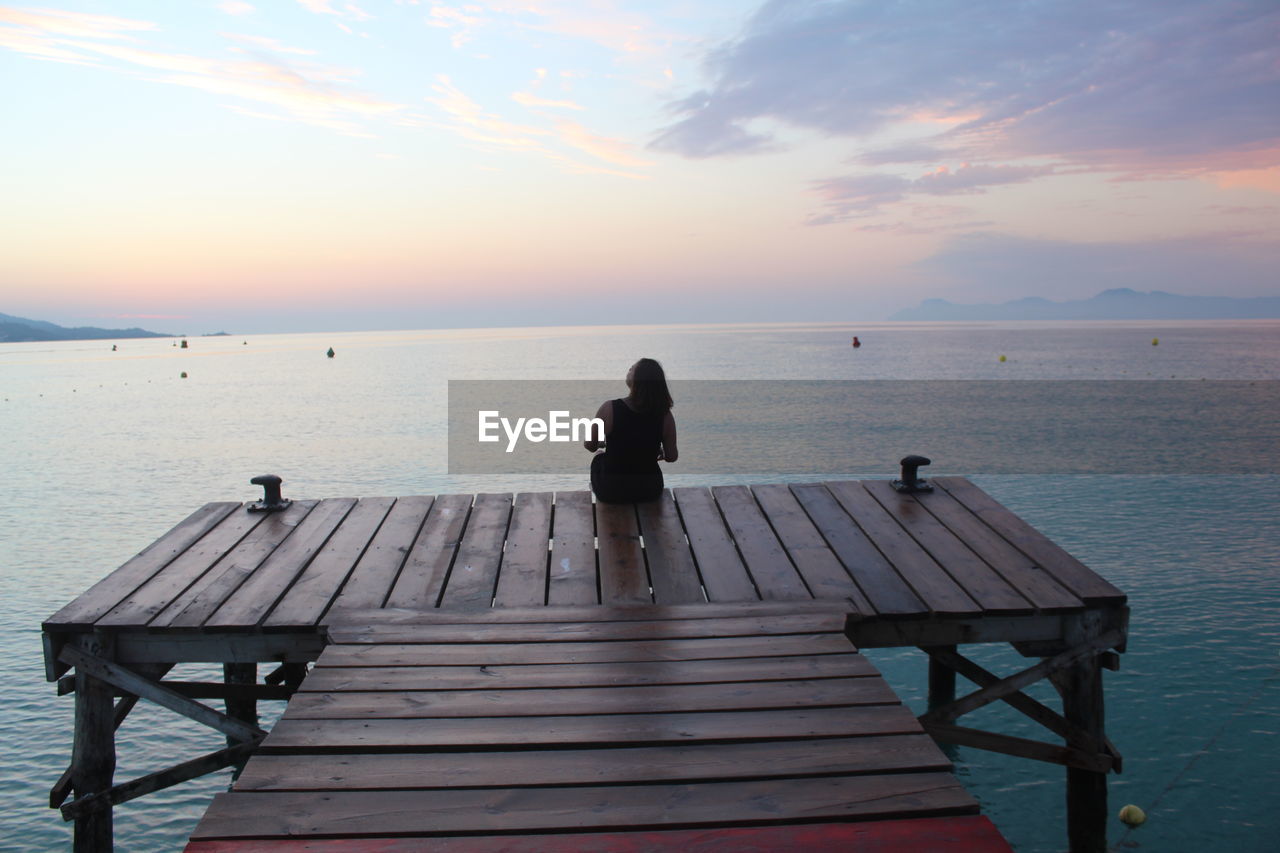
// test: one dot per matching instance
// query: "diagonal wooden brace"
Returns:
(1041, 713)
(1021, 747)
(1014, 683)
(132, 682)
(183, 772)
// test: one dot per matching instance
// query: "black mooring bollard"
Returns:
(271, 500)
(910, 482)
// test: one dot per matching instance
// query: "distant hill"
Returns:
(1119, 303)
(19, 329)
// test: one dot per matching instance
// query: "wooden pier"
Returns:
(498, 673)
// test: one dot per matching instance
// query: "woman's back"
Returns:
(635, 440)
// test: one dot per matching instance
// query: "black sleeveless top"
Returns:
(628, 469)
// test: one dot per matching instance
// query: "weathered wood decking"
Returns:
(951, 554)
(442, 615)
(445, 728)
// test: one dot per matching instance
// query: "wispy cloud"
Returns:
(236, 8)
(854, 196)
(467, 118)
(348, 11)
(1100, 84)
(601, 22)
(268, 44)
(303, 91)
(609, 150)
(528, 99)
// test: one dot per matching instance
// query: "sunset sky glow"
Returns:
(297, 165)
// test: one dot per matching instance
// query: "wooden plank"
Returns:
(624, 579)
(723, 573)
(671, 567)
(690, 762)
(642, 612)
(355, 813)
(960, 834)
(765, 558)
(523, 580)
(474, 574)
(572, 573)
(311, 593)
(496, 654)
(1037, 585)
(558, 701)
(980, 582)
(371, 580)
(1064, 568)
(938, 590)
(823, 574)
(398, 735)
(422, 579)
(521, 632)
(328, 678)
(100, 598)
(888, 594)
(146, 602)
(255, 598)
(197, 602)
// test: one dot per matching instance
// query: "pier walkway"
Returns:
(544, 664)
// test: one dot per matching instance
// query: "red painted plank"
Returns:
(967, 834)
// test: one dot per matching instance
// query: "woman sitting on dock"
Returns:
(639, 431)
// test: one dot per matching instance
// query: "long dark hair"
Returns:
(649, 391)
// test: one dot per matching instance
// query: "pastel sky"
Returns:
(293, 165)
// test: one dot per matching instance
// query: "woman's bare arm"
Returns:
(669, 450)
(604, 413)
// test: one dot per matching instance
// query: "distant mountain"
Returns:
(1119, 303)
(18, 329)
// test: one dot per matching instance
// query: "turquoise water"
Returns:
(104, 451)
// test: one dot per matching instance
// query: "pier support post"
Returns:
(942, 682)
(93, 760)
(243, 709)
(1081, 687)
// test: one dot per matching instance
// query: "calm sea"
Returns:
(103, 451)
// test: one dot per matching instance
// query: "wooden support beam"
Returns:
(62, 788)
(241, 707)
(1021, 747)
(942, 678)
(132, 682)
(196, 767)
(1081, 687)
(93, 760)
(1042, 714)
(1019, 680)
(210, 690)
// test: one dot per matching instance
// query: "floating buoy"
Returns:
(330, 352)
(182, 375)
(1155, 342)
(856, 343)
(1132, 815)
(1003, 359)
